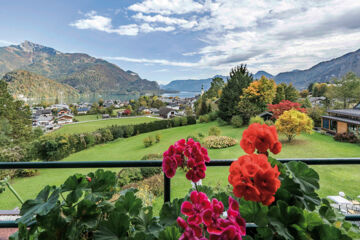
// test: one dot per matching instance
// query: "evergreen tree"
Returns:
(203, 107)
(16, 116)
(291, 93)
(280, 93)
(216, 84)
(240, 78)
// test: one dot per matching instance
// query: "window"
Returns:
(326, 123)
(333, 125)
(353, 128)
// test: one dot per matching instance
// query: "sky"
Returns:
(163, 40)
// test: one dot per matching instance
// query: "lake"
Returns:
(181, 94)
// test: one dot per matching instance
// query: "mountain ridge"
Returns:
(79, 70)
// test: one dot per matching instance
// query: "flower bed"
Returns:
(280, 199)
(217, 142)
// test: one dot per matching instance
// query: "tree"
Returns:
(17, 115)
(101, 102)
(203, 107)
(247, 109)
(280, 93)
(306, 103)
(214, 91)
(291, 93)
(261, 92)
(284, 105)
(240, 78)
(292, 123)
(319, 89)
(304, 93)
(310, 87)
(347, 89)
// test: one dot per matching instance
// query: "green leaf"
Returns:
(129, 203)
(103, 183)
(328, 232)
(223, 197)
(170, 212)
(76, 184)
(170, 233)
(145, 222)
(253, 212)
(41, 205)
(205, 189)
(115, 227)
(312, 220)
(87, 213)
(306, 177)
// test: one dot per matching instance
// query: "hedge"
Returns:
(52, 148)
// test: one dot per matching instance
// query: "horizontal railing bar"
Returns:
(158, 163)
(13, 224)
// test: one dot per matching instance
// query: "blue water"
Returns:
(181, 94)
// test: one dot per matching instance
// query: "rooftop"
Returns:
(349, 112)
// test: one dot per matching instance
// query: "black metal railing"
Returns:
(158, 163)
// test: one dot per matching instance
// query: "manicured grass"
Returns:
(82, 118)
(94, 125)
(332, 178)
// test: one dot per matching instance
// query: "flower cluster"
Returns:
(261, 137)
(253, 178)
(187, 155)
(203, 213)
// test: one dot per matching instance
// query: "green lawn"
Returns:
(82, 118)
(94, 125)
(332, 178)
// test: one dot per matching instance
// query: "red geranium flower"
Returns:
(253, 178)
(187, 155)
(260, 137)
(194, 209)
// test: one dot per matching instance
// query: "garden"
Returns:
(281, 199)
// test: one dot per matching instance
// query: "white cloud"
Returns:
(273, 35)
(167, 6)
(6, 43)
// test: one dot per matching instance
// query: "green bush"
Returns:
(204, 119)
(256, 119)
(191, 120)
(149, 141)
(157, 137)
(269, 122)
(147, 172)
(26, 172)
(128, 131)
(217, 142)
(221, 122)
(214, 131)
(201, 135)
(212, 116)
(183, 121)
(129, 175)
(237, 121)
(177, 121)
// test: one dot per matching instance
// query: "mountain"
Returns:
(81, 71)
(323, 71)
(24, 84)
(190, 85)
(259, 74)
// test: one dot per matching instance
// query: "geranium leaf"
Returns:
(170, 212)
(41, 205)
(253, 212)
(76, 184)
(145, 222)
(115, 227)
(170, 233)
(306, 177)
(129, 203)
(87, 213)
(103, 184)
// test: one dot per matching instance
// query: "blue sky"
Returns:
(164, 40)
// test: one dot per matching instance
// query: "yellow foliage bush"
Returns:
(293, 122)
(219, 142)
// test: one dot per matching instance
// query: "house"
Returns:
(342, 120)
(43, 121)
(82, 110)
(64, 119)
(64, 111)
(266, 115)
(154, 111)
(167, 112)
(105, 116)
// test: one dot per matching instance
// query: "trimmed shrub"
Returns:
(147, 172)
(157, 138)
(214, 131)
(183, 121)
(26, 172)
(237, 121)
(221, 122)
(191, 120)
(346, 137)
(217, 142)
(148, 141)
(128, 131)
(128, 175)
(204, 119)
(256, 119)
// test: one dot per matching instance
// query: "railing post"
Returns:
(167, 184)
